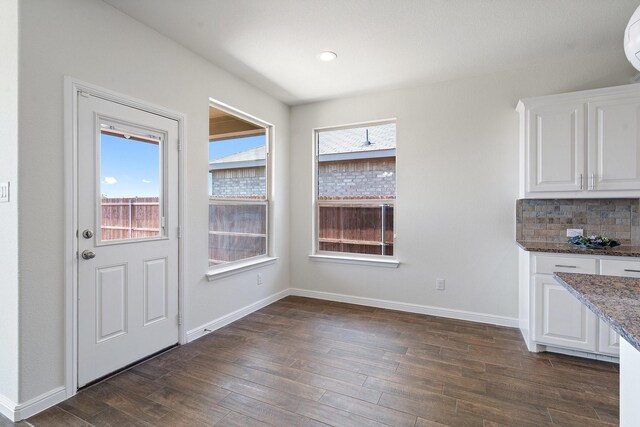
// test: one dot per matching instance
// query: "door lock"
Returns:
(87, 234)
(87, 254)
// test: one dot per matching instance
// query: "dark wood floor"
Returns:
(304, 362)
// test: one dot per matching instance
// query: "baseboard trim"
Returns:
(17, 412)
(511, 322)
(218, 323)
(583, 354)
(7, 408)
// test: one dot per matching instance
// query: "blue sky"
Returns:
(128, 168)
(219, 149)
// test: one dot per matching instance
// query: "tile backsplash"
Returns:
(540, 220)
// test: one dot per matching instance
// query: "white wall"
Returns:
(9, 211)
(91, 41)
(457, 176)
(457, 160)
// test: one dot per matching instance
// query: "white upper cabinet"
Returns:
(614, 144)
(581, 144)
(556, 147)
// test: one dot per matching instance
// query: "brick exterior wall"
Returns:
(548, 220)
(365, 178)
(346, 179)
(244, 182)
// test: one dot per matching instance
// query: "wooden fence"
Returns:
(236, 231)
(356, 228)
(130, 218)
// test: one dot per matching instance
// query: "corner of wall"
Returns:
(9, 291)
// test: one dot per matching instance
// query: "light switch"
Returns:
(4, 192)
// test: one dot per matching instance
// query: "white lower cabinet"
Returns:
(555, 319)
(560, 319)
(608, 340)
(623, 268)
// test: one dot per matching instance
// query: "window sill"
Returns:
(230, 270)
(370, 262)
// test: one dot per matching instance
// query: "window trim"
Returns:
(233, 267)
(348, 257)
(226, 270)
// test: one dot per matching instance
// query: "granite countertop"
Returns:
(568, 248)
(616, 300)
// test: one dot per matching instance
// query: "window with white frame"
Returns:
(238, 188)
(356, 189)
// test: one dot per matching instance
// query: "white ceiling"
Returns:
(380, 43)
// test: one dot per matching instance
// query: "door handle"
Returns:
(87, 254)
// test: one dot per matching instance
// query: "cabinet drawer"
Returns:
(624, 268)
(551, 264)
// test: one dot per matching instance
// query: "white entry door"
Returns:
(127, 185)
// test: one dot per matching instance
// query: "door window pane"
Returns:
(130, 187)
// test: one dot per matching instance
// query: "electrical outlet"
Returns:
(573, 232)
(4, 192)
(440, 284)
(259, 279)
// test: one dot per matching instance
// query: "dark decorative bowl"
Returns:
(593, 242)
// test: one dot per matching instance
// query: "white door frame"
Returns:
(72, 87)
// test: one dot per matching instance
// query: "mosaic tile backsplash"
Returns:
(548, 220)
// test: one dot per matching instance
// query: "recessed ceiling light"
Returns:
(327, 56)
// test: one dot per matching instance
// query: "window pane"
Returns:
(237, 168)
(236, 231)
(130, 177)
(356, 229)
(237, 190)
(357, 164)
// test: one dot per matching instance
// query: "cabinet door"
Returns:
(560, 319)
(608, 340)
(614, 144)
(556, 148)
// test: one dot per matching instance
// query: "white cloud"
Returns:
(146, 181)
(110, 180)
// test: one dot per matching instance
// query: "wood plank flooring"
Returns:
(305, 362)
